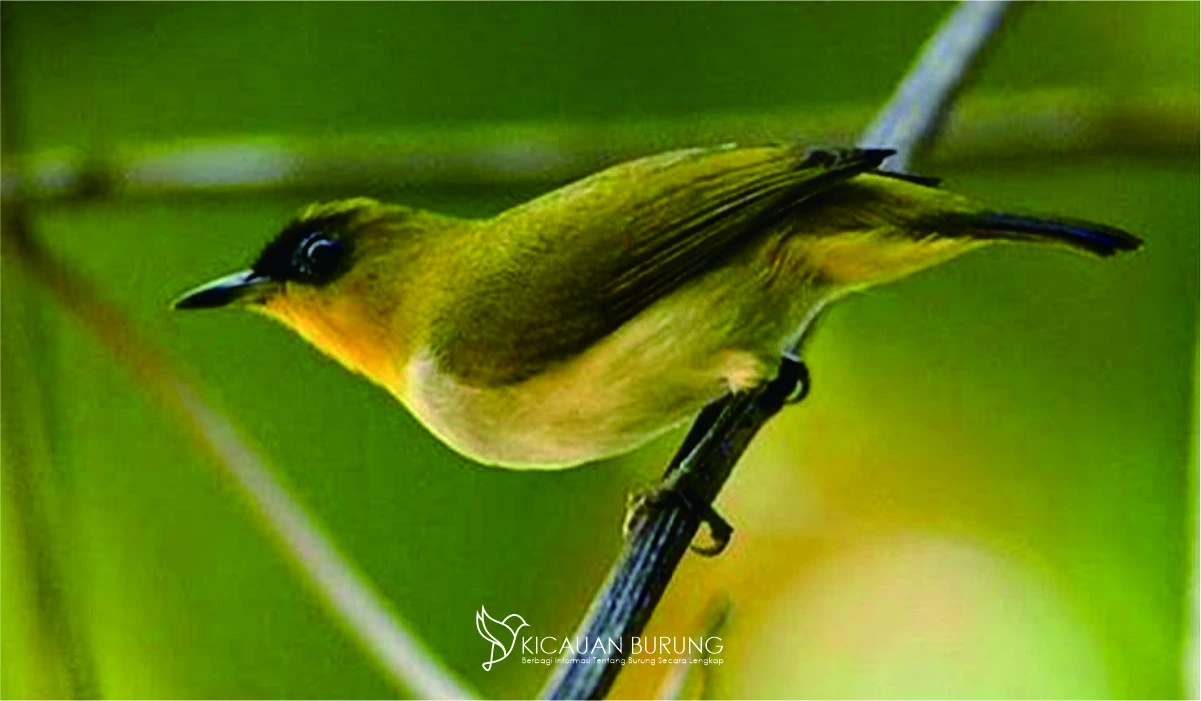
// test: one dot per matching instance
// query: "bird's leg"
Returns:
(701, 427)
(683, 483)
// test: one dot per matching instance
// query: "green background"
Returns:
(991, 491)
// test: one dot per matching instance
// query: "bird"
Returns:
(584, 323)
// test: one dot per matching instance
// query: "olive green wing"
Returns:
(552, 277)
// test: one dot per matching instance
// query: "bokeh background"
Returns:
(991, 491)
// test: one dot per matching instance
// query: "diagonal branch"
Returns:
(636, 582)
(350, 597)
(918, 108)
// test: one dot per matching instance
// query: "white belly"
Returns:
(654, 372)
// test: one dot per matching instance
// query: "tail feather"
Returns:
(1096, 238)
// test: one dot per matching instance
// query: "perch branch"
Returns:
(347, 594)
(636, 582)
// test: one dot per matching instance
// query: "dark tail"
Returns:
(1096, 238)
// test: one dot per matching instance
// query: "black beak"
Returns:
(224, 291)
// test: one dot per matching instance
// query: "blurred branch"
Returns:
(636, 582)
(56, 660)
(680, 677)
(39, 500)
(988, 129)
(918, 108)
(350, 597)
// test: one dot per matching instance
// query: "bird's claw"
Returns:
(794, 369)
(720, 532)
(677, 487)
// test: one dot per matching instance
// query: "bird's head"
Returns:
(338, 275)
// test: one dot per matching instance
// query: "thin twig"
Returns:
(38, 519)
(41, 505)
(918, 107)
(983, 129)
(626, 601)
(351, 598)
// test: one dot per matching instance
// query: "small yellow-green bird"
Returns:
(586, 322)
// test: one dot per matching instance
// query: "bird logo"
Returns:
(511, 624)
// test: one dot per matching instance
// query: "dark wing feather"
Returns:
(583, 260)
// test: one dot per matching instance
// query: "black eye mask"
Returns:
(307, 252)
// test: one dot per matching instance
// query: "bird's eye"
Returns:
(317, 256)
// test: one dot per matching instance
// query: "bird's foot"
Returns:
(678, 487)
(681, 484)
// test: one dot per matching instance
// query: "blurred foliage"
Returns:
(989, 493)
